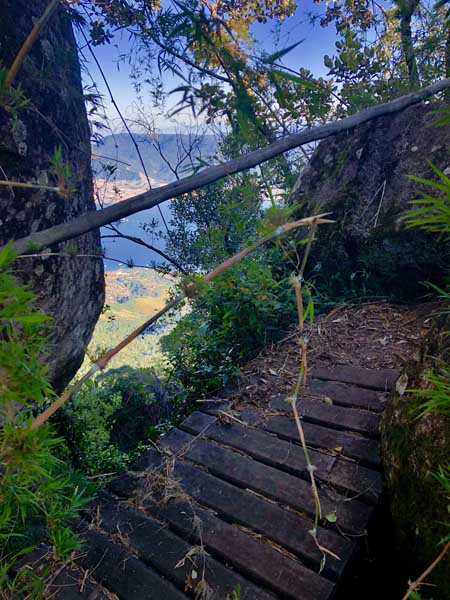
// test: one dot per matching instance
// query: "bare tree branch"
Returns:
(94, 219)
(141, 242)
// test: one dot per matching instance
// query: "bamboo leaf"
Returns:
(277, 55)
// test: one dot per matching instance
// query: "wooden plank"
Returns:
(336, 417)
(255, 558)
(62, 581)
(348, 395)
(347, 476)
(285, 527)
(268, 481)
(364, 450)
(122, 573)
(169, 554)
(376, 379)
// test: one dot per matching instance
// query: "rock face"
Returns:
(413, 452)
(69, 289)
(362, 178)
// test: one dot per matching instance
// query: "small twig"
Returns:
(381, 202)
(414, 586)
(226, 415)
(29, 42)
(70, 255)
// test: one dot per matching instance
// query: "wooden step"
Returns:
(349, 478)
(176, 559)
(364, 450)
(122, 573)
(63, 581)
(287, 528)
(248, 473)
(328, 415)
(228, 498)
(252, 555)
(342, 394)
(376, 379)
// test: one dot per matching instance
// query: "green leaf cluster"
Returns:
(39, 492)
(23, 328)
(241, 311)
(111, 420)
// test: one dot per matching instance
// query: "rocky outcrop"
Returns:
(362, 178)
(414, 450)
(69, 289)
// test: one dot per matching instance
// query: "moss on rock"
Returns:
(413, 450)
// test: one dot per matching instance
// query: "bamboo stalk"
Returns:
(34, 186)
(301, 382)
(103, 361)
(29, 42)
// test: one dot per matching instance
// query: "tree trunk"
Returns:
(406, 9)
(70, 290)
(447, 54)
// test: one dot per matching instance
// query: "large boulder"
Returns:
(69, 289)
(362, 177)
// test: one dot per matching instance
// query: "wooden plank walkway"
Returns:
(224, 512)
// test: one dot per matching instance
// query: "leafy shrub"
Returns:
(109, 421)
(39, 493)
(240, 311)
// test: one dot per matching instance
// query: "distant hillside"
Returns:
(121, 146)
(132, 296)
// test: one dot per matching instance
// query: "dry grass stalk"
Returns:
(416, 585)
(160, 486)
(299, 387)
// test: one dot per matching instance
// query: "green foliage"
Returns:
(435, 400)
(12, 99)
(111, 419)
(243, 309)
(433, 214)
(39, 493)
(62, 172)
(236, 593)
(210, 224)
(22, 334)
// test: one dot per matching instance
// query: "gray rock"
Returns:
(71, 290)
(367, 188)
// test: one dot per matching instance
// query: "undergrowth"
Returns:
(239, 312)
(39, 492)
(112, 419)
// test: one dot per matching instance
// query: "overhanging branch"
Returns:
(94, 219)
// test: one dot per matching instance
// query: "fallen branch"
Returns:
(95, 219)
(103, 361)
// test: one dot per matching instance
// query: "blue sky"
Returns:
(271, 36)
